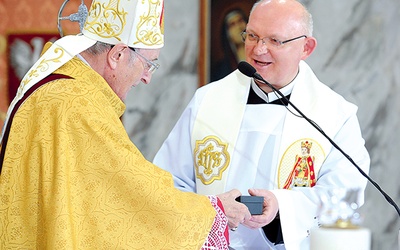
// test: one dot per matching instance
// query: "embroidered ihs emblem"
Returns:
(211, 159)
(300, 164)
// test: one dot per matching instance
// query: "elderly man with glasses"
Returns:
(70, 177)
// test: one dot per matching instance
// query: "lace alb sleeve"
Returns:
(218, 238)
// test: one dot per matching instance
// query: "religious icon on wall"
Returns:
(23, 50)
(221, 45)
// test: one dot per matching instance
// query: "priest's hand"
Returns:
(270, 209)
(235, 211)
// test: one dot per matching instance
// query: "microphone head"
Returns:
(246, 69)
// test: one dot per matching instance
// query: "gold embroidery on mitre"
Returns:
(211, 159)
(147, 31)
(43, 66)
(300, 164)
(106, 20)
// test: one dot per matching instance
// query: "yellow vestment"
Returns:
(72, 178)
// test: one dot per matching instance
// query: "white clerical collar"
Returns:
(270, 97)
(83, 59)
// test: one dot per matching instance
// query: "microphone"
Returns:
(248, 70)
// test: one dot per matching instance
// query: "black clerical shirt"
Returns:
(273, 231)
(256, 99)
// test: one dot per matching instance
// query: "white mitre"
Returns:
(136, 23)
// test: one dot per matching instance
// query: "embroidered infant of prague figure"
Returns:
(302, 174)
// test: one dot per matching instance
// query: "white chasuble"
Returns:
(217, 128)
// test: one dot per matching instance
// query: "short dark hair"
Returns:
(98, 48)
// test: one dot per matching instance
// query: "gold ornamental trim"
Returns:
(106, 20)
(42, 67)
(147, 31)
(211, 159)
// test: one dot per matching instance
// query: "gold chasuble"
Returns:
(72, 178)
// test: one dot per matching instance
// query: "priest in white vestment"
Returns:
(235, 133)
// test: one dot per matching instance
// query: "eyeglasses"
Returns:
(150, 66)
(253, 39)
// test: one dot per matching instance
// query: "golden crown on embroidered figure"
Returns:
(306, 144)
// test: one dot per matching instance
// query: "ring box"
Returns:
(254, 203)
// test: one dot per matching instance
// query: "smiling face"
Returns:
(281, 20)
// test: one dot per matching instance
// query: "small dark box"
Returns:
(254, 203)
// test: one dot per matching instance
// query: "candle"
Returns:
(327, 238)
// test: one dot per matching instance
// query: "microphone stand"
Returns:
(387, 197)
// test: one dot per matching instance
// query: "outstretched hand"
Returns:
(270, 209)
(235, 211)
